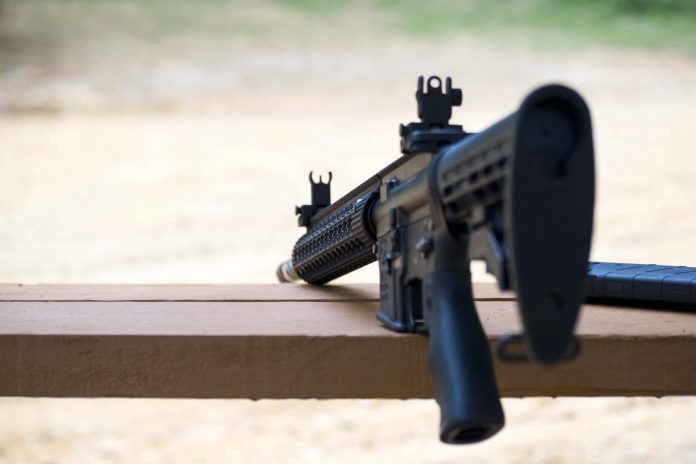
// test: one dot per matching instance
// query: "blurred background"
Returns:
(153, 141)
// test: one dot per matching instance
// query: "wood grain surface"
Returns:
(287, 341)
(211, 293)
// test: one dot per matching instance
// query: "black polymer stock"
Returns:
(518, 195)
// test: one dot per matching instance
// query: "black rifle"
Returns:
(519, 195)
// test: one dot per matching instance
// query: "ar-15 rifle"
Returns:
(519, 195)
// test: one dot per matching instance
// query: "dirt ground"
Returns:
(181, 160)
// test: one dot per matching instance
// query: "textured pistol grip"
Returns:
(460, 363)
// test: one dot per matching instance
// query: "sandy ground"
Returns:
(182, 160)
(189, 431)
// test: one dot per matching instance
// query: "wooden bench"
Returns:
(287, 341)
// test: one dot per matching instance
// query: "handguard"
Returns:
(519, 195)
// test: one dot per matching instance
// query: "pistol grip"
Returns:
(460, 361)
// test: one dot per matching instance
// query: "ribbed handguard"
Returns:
(338, 244)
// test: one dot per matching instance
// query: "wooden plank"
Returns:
(305, 349)
(219, 292)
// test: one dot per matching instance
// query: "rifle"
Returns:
(518, 195)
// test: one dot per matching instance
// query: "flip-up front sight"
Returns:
(321, 198)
